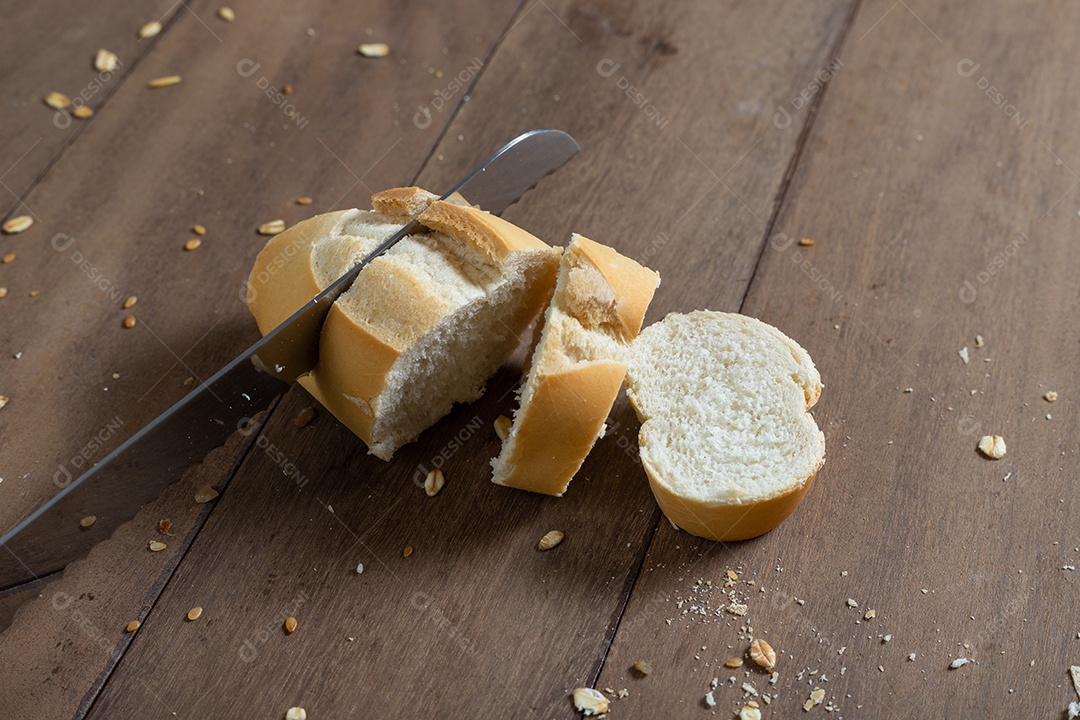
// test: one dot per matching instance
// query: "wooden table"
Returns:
(929, 150)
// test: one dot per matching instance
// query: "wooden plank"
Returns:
(914, 183)
(476, 622)
(214, 150)
(48, 51)
(114, 216)
(14, 598)
(68, 635)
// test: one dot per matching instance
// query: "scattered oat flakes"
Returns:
(407, 551)
(290, 625)
(16, 225)
(287, 88)
(303, 201)
(359, 568)
(194, 613)
(198, 229)
(434, 482)
(870, 614)
(58, 101)
(589, 701)
(852, 603)
(304, 417)
(815, 699)
(88, 521)
(149, 30)
(374, 50)
(502, 427)
(979, 342)
(226, 13)
(623, 694)
(8, 259)
(272, 228)
(205, 494)
(129, 322)
(550, 540)
(737, 609)
(992, 446)
(807, 242)
(296, 713)
(911, 657)
(83, 112)
(958, 663)
(642, 667)
(164, 82)
(749, 713)
(192, 244)
(157, 546)
(132, 626)
(164, 527)
(4, 400)
(734, 663)
(3, 292)
(32, 293)
(130, 302)
(763, 654)
(710, 701)
(963, 353)
(1050, 396)
(749, 689)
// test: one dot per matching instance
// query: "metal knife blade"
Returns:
(159, 454)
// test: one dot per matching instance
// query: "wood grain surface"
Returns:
(925, 149)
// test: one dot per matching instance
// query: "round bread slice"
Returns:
(726, 439)
(424, 325)
(577, 367)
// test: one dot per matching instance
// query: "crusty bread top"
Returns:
(724, 401)
(607, 289)
(402, 202)
(496, 237)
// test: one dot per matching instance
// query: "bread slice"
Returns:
(577, 367)
(424, 326)
(726, 439)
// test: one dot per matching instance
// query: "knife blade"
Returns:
(160, 453)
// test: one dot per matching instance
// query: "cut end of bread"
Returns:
(424, 325)
(726, 440)
(576, 369)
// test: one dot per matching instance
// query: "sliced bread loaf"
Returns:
(577, 367)
(726, 439)
(424, 325)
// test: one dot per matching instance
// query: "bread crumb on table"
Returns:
(815, 699)
(590, 701)
(992, 446)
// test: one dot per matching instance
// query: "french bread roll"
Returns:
(577, 367)
(424, 325)
(726, 439)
